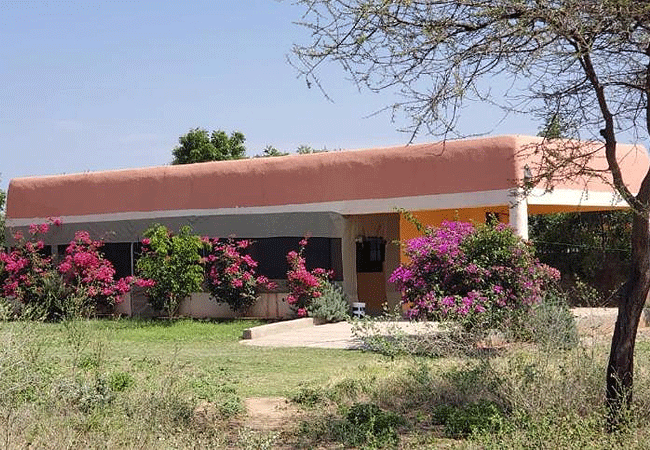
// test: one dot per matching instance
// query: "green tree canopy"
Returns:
(199, 146)
(270, 151)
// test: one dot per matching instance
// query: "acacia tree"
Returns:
(588, 61)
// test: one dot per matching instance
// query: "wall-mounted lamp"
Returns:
(528, 177)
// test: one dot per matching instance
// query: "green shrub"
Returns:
(332, 305)
(120, 381)
(170, 266)
(7, 310)
(308, 397)
(460, 421)
(367, 425)
(84, 395)
(591, 250)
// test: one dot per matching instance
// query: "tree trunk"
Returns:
(620, 368)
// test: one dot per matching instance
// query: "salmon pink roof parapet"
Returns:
(472, 165)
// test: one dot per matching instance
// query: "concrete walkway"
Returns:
(304, 333)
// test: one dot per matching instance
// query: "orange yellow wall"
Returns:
(435, 217)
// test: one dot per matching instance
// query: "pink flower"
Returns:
(146, 241)
(43, 228)
(302, 312)
(82, 237)
(145, 282)
(56, 221)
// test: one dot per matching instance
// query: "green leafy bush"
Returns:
(331, 306)
(120, 381)
(369, 426)
(460, 421)
(170, 266)
(309, 397)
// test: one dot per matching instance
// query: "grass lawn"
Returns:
(200, 361)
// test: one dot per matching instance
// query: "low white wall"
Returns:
(200, 306)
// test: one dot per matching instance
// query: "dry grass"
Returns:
(185, 384)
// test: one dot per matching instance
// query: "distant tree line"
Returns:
(199, 145)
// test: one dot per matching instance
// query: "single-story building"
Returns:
(348, 201)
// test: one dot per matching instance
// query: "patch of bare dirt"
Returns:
(269, 413)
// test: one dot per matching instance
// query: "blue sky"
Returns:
(88, 86)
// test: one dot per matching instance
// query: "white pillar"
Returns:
(349, 256)
(519, 213)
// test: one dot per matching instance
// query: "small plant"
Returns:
(230, 274)
(85, 395)
(309, 397)
(331, 306)
(255, 440)
(371, 427)
(460, 421)
(7, 310)
(120, 381)
(170, 267)
(304, 286)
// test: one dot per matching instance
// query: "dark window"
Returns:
(271, 255)
(371, 253)
(119, 254)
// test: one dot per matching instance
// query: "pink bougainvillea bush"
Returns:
(90, 276)
(83, 283)
(231, 274)
(479, 276)
(304, 286)
(25, 271)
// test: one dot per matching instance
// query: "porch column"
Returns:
(518, 209)
(349, 255)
